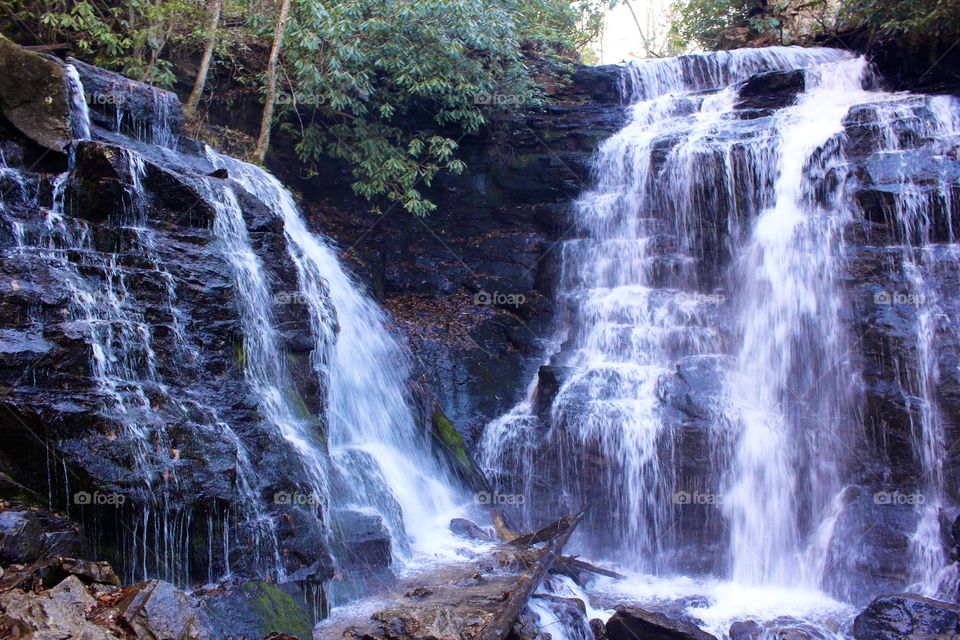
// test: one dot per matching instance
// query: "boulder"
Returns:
(34, 96)
(631, 622)
(157, 610)
(256, 609)
(139, 109)
(745, 630)
(30, 535)
(907, 616)
(59, 613)
(364, 539)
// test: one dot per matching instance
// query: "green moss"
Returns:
(278, 610)
(239, 353)
(451, 439)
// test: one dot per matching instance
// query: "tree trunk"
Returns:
(260, 152)
(214, 10)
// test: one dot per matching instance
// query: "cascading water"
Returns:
(704, 395)
(376, 447)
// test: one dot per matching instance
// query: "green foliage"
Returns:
(389, 86)
(381, 74)
(718, 24)
(918, 20)
(708, 23)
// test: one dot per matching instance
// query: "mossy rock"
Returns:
(257, 609)
(34, 96)
(454, 449)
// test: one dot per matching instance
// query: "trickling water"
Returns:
(80, 113)
(709, 404)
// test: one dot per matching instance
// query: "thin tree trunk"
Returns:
(215, 8)
(260, 152)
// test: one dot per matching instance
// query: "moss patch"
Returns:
(455, 448)
(279, 611)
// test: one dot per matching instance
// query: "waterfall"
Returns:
(376, 446)
(790, 389)
(705, 390)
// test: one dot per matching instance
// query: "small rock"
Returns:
(99, 572)
(745, 630)
(630, 623)
(468, 529)
(599, 629)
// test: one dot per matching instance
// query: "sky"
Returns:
(621, 38)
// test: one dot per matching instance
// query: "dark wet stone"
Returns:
(34, 96)
(772, 90)
(468, 529)
(365, 539)
(630, 623)
(31, 535)
(907, 617)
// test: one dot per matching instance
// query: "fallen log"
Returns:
(575, 565)
(477, 600)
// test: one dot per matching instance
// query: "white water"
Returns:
(80, 112)
(645, 291)
(380, 454)
(793, 349)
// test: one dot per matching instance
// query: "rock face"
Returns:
(34, 96)
(630, 623)
(907, 617)
(124, 352)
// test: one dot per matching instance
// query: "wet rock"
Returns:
(745, 630)
(157, 610)
(468, 529)
(30, 535)
(772, 90)
(907, 617)
(258, 609)
(881, 560)
(98, 572)
(599, 629)
(525, 628)
(135, 106)
(34, 96)
(365, 540)
(631, 622)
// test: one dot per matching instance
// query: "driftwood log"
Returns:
(477, 600)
